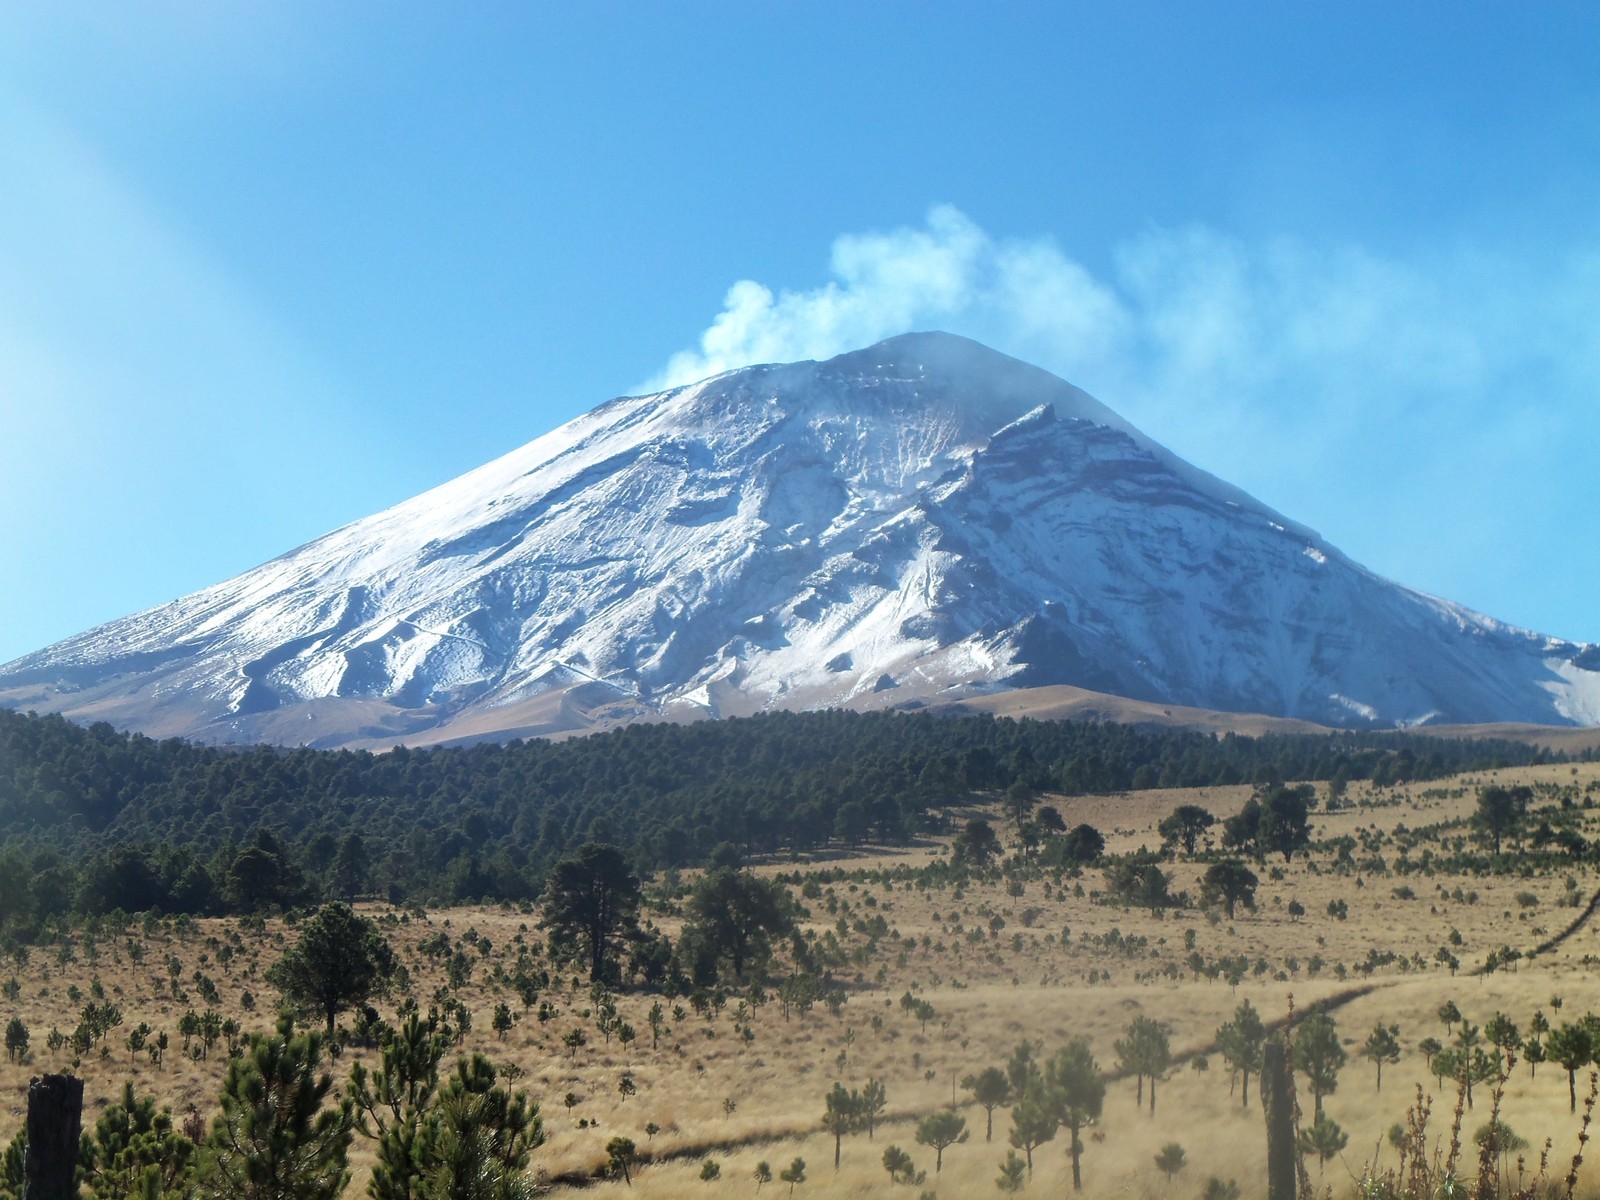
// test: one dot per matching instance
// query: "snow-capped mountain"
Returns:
(919, 519)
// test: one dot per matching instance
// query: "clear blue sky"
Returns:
(268, 267)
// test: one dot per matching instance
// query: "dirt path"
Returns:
(699, 1149)
(1577, 923)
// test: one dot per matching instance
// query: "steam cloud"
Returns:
(1198, 334)
(950, 275)
(1420, 409)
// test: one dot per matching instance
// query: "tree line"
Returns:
(94, 820)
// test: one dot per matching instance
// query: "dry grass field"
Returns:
(1047, 961)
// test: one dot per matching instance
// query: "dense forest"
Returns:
(93, 820)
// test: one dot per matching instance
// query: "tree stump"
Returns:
(1277, 1100)
(55, 1119)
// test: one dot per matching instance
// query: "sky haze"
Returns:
(267, 268)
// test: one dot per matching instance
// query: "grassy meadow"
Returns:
(1043, 957)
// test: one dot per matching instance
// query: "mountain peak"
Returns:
(926, 352)
(930, 379)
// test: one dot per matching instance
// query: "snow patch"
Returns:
(1577, 695)
(927, 512)
(1365, 711)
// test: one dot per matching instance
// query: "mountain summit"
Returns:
(921, 519)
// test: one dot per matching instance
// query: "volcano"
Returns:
(919, 521)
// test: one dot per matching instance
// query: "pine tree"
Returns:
(1241, 1040)
(1171, 1160)
(12, 1176)
(1382, 1046)
(1146, 1051)
(591, 904)
(874, 1099)
(990, 1088)
(1572, 1046)
(794, 1173)
(391, 1102)
(339, 962)
(275, 1139)
(621, 1154)
(941, 1129)
(841, 1115)
(1032, 1123)
(1324, 1139)
(899, 1165)
(135, 1151)
(1074, 1092)
(1011, 1177)
(481, 1136)
(1318, 1053)
(16, 1039)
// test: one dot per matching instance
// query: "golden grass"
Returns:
(989, 990)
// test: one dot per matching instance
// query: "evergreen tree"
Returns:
(12, 1176)
(1323, 1139)
(841, 1115)
(135, 1151)
(874, 1099)
(1141, 883)
(1500, 811)
(1011, 1177)
(1241, 829)
(591, 905)
(1145, 1050)
(340, 961)
(1241, 1040)
(392, 1102)
(1185, 826)
(1021, 1069)
(1074, 1092)
(940, 1129)
(16, 1039)
(736, 915)
(899, 1165)
(1033, 1123)
(1570, 1045)
(1382, 1046)
(351, 867)
(275, 1139)
(1171, 1160)
(481, 1137)
(1502, 1032)
(1449, 1014)
(1082, 844)
(794, 1173)
(990, 1088)
(1285, 820)
(976, 845)
(1231, 882)
(1318, 1053)
(621, 1154)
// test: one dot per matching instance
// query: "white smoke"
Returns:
(1197, 332)
(1342, 385)
(949, 275)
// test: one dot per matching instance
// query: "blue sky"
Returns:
(266, 268)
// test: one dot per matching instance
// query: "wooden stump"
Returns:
(55, 1119)
(1277, 1100)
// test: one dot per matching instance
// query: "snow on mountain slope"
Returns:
(918, 519)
